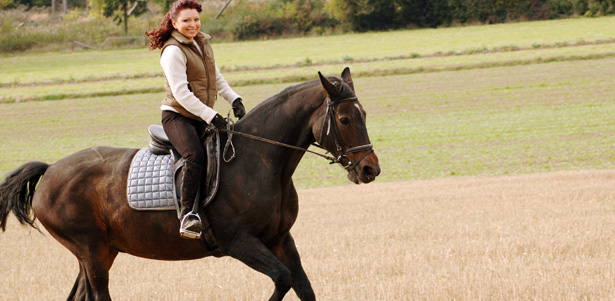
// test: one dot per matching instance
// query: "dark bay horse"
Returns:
(81, 199)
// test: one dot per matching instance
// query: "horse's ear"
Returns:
(347, 78)
(329, 87)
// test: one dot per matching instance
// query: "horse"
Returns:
(81, 199)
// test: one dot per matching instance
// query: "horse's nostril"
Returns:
(375, 170)
(371, 171)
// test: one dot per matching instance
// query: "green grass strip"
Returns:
(300, 78)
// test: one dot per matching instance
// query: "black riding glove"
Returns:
(219, 122)
(238, 109)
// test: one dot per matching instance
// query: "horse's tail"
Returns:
(16, 192)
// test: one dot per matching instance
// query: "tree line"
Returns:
(279, 17)
(391, 14)
(246, 19)
(271, 17)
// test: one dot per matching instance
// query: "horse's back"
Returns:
(95, 159)
(80, 183)
(88, 168)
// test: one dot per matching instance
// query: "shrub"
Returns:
(248, 20)
(5, 4)
(423, 13)
(565, 8)
(20, 33)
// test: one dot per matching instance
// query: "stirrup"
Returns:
(187, 233)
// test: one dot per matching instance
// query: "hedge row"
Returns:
(363, 15)
(245, 19)
(249, 20)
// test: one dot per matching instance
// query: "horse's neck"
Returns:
(288, 122)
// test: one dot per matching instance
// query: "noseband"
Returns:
(330, 127)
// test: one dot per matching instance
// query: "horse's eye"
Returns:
(345, 120)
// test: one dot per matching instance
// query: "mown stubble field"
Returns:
(532, 237)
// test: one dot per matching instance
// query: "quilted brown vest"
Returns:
(200, 70)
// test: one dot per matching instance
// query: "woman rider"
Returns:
(192, 84)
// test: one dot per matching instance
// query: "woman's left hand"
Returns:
(238, 109)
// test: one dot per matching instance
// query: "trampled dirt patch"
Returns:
(544, 236)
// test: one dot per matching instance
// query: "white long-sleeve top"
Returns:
(173, 62)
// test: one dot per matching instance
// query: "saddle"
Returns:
(160, 145)
(153, 176)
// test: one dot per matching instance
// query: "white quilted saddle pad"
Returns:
(150, 182)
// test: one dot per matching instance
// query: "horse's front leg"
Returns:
(255, 254)
(288, 254)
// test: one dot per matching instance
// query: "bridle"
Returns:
(329, 125)
(341, 152)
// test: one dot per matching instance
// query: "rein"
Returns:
(229, 143)
(329, 118)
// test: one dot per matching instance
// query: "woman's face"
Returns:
(187, 22)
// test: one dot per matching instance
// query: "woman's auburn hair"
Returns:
(158, 36)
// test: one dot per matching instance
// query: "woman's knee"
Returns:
(197, 157)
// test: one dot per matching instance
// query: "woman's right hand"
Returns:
(238, 109)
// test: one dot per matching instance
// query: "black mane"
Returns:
(285, 94)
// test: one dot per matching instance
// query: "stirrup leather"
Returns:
(187, 233)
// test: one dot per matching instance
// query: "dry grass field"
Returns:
(545, 236)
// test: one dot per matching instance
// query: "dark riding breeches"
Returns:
(184, 134)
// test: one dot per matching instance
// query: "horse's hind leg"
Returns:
(86, 238)
(89, 277)
(81, 288)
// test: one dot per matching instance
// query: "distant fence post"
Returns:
(223, 8)
(82, 45)
(121, 38)
(86, 46)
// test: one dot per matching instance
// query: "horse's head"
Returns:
(342, 130)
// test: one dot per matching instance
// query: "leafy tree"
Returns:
(371, 14)
(423, 13)
(4, 4)
(165, 4)
(122, 9)
(40, 3)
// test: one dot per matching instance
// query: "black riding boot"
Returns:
(191, 225)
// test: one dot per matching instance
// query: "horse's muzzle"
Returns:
(366, 171)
